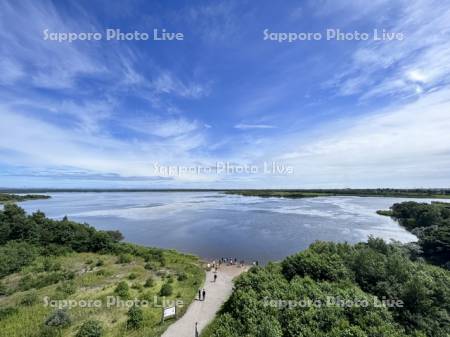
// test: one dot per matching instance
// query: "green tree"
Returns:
(135, 318)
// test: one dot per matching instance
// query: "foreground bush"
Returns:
(265, 301)
(59, 318)
(135, 318)
(166, 290)
(90, 329)
(122, 290)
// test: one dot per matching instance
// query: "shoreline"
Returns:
(441, 193)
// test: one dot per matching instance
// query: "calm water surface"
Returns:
(211, 224)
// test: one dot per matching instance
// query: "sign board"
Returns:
(169, 312)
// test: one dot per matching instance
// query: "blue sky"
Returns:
(328, 113)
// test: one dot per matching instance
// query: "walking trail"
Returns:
(204, 312)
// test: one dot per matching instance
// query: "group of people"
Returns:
(228, 261)
(201, 294)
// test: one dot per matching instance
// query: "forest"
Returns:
(292, 298)
(431, 224)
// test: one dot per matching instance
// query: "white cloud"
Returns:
(214, 22)
(244, 126)
(10, 71)
(416, 76)
(48, 145)
(407, 145)
(169, 127)
(166, 83)
(394, 67)
(48, 64)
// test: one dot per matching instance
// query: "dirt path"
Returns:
(203, 312)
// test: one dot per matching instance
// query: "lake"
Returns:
(214, 225)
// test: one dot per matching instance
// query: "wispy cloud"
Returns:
(166, 83)
(168, 127)
(407, 67)
(67, 174)
(215, 21)
(244, 126)
(392, 147)
(52, 65)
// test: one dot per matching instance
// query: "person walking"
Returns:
(199, 294)
(196, 329)
(204, 294)
(215, 278)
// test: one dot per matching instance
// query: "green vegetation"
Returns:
(335, 290)
(286, 193)
(59, 318)
(44, 260)
(166, 290)
(380, 192)
(90, 329)
(431, 224)
(135, 318)
(7, 198)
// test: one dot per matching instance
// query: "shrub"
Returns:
(135, 318)
(115, 235)
(59, 318)
(50, 265)
(8, 311)
(101, 272)
(90, 329)
(49, 331)
(3, 289)
(132, 276)
(14, 255)
(149, 283)
(182, 277)
(67, 288)
(42, 280)
(124, 258)
(166, 290)
(122, 289)
(137, 286)
(329, 267)
(99, 263)
(29, 299)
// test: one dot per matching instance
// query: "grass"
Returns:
(93, 280)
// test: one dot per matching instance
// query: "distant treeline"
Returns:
(5, 197)
(379, 192)
(288, 193)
